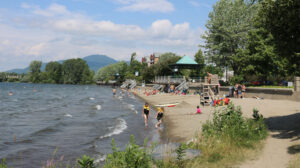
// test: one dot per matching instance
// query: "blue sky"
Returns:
(49, 30)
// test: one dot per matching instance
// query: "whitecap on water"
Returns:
(131, 107)
(100, 158)
(118, 129)
(98, 107)
(68, 115)
(91, 98)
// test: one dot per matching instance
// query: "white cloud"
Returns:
(53, 10)
(64, 34)
(146, 5)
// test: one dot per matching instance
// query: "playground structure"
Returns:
(209, 91)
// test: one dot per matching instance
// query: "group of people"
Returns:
(239, 90)
(159, 115)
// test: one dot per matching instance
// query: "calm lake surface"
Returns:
(70, 119)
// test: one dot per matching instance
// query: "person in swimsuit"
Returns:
(114, 91)
(236, 91)
(146, 113)
(239, 91)
(243, 90)
(159, 116)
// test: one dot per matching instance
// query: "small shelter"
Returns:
(186, 63)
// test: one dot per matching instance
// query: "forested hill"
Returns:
(95, 62)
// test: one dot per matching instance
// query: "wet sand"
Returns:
(282, 118)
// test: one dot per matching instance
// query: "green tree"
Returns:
(135, 66)
(110, 72)
(282, 19)
(199, 58)
(54, 72)
(3, 76)
(132, 58)
(76, 71)
(161, 68)
(228, 25)
(34, 71)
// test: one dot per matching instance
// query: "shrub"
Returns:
(134, 156)
(3, 164)
(229, 124)
(86, 162)
(180, 151)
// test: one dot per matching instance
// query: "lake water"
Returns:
(70, 120)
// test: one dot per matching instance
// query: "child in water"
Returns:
(146, 113)
(159, 116)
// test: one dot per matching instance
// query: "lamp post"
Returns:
(175, 70)
(117, 75)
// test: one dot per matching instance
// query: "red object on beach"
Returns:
(227, 101)
(171, 105)
(214, 104)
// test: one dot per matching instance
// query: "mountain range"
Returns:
(95, 62)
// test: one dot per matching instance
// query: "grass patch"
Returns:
(295, 161)
(133, 156)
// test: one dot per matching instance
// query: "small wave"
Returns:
(46, 130)
(91, 98)
(131, 107)
(98, 107)
(118, 129)
(100, 158)
(68, 115)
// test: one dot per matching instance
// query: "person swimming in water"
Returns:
(10, 93)
(114, 91)
(159, 116)
(146, 113)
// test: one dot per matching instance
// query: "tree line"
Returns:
(71, 71)
(140, 71)
(257, 39)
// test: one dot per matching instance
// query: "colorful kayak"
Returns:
(167, 105)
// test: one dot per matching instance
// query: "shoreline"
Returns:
(179, 123)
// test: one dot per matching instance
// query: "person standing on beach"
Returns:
(243, 90)
(236, 90)
(239, 91)
(159, 116)
(209, 75)
(146, 113)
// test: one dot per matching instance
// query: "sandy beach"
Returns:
(282, 118)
